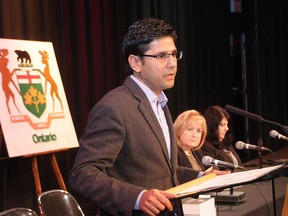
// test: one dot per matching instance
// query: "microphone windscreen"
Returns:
(243, 113)
(239, 145)
(273, 133)
(206, 160)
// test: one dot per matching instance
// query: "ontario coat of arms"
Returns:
(32, 97)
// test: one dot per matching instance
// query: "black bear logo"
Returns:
(23, 56)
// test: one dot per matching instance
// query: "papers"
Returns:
(198, 181)
(228, 180)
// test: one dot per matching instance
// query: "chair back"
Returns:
(18, 211)
(58, 203)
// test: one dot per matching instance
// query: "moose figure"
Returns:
(49, 78)
(6, 79)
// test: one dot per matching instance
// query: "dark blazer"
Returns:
(184, 161)
(208, 149)
(123, 152)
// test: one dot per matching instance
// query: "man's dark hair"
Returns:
(141, 34)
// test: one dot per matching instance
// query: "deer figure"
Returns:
(49, 78)
(6, 79)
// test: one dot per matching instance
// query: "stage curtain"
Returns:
(87, 37)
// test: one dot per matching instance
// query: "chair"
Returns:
(58, 203)
(18, 211)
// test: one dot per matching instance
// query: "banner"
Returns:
(35, 115)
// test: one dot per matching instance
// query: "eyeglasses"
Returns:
(164, 56)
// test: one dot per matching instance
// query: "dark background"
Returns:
(235, 58)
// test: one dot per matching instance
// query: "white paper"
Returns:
(231, 179)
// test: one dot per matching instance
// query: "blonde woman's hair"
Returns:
(186, 118)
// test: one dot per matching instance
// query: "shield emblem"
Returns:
(31, 91)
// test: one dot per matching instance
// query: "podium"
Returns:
(212, 183)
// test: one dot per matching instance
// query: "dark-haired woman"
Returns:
(218, 140)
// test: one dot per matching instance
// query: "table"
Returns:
(259, 195)
(259, 199)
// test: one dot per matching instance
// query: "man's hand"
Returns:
(153, 201)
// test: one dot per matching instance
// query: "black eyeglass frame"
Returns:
(177, 55)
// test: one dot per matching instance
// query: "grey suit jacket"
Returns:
(123, 152)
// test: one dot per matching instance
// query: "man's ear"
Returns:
(135, 63)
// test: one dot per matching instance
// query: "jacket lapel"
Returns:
(148, 113)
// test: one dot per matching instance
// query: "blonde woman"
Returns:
(190, 130)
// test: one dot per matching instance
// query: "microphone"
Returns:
(241, 145)
(275, 134)
(208, 161)
(243, 113)
(253, 116)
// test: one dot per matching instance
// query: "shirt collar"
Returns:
(150, 94)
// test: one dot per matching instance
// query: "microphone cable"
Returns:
(266, 201)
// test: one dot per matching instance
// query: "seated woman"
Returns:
(190, 129)
(218, 140)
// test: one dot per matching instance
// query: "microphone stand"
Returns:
(260, 157)
(229, 196)
(232, 188)
(255, 117)
(283, 127)
(258, 118)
